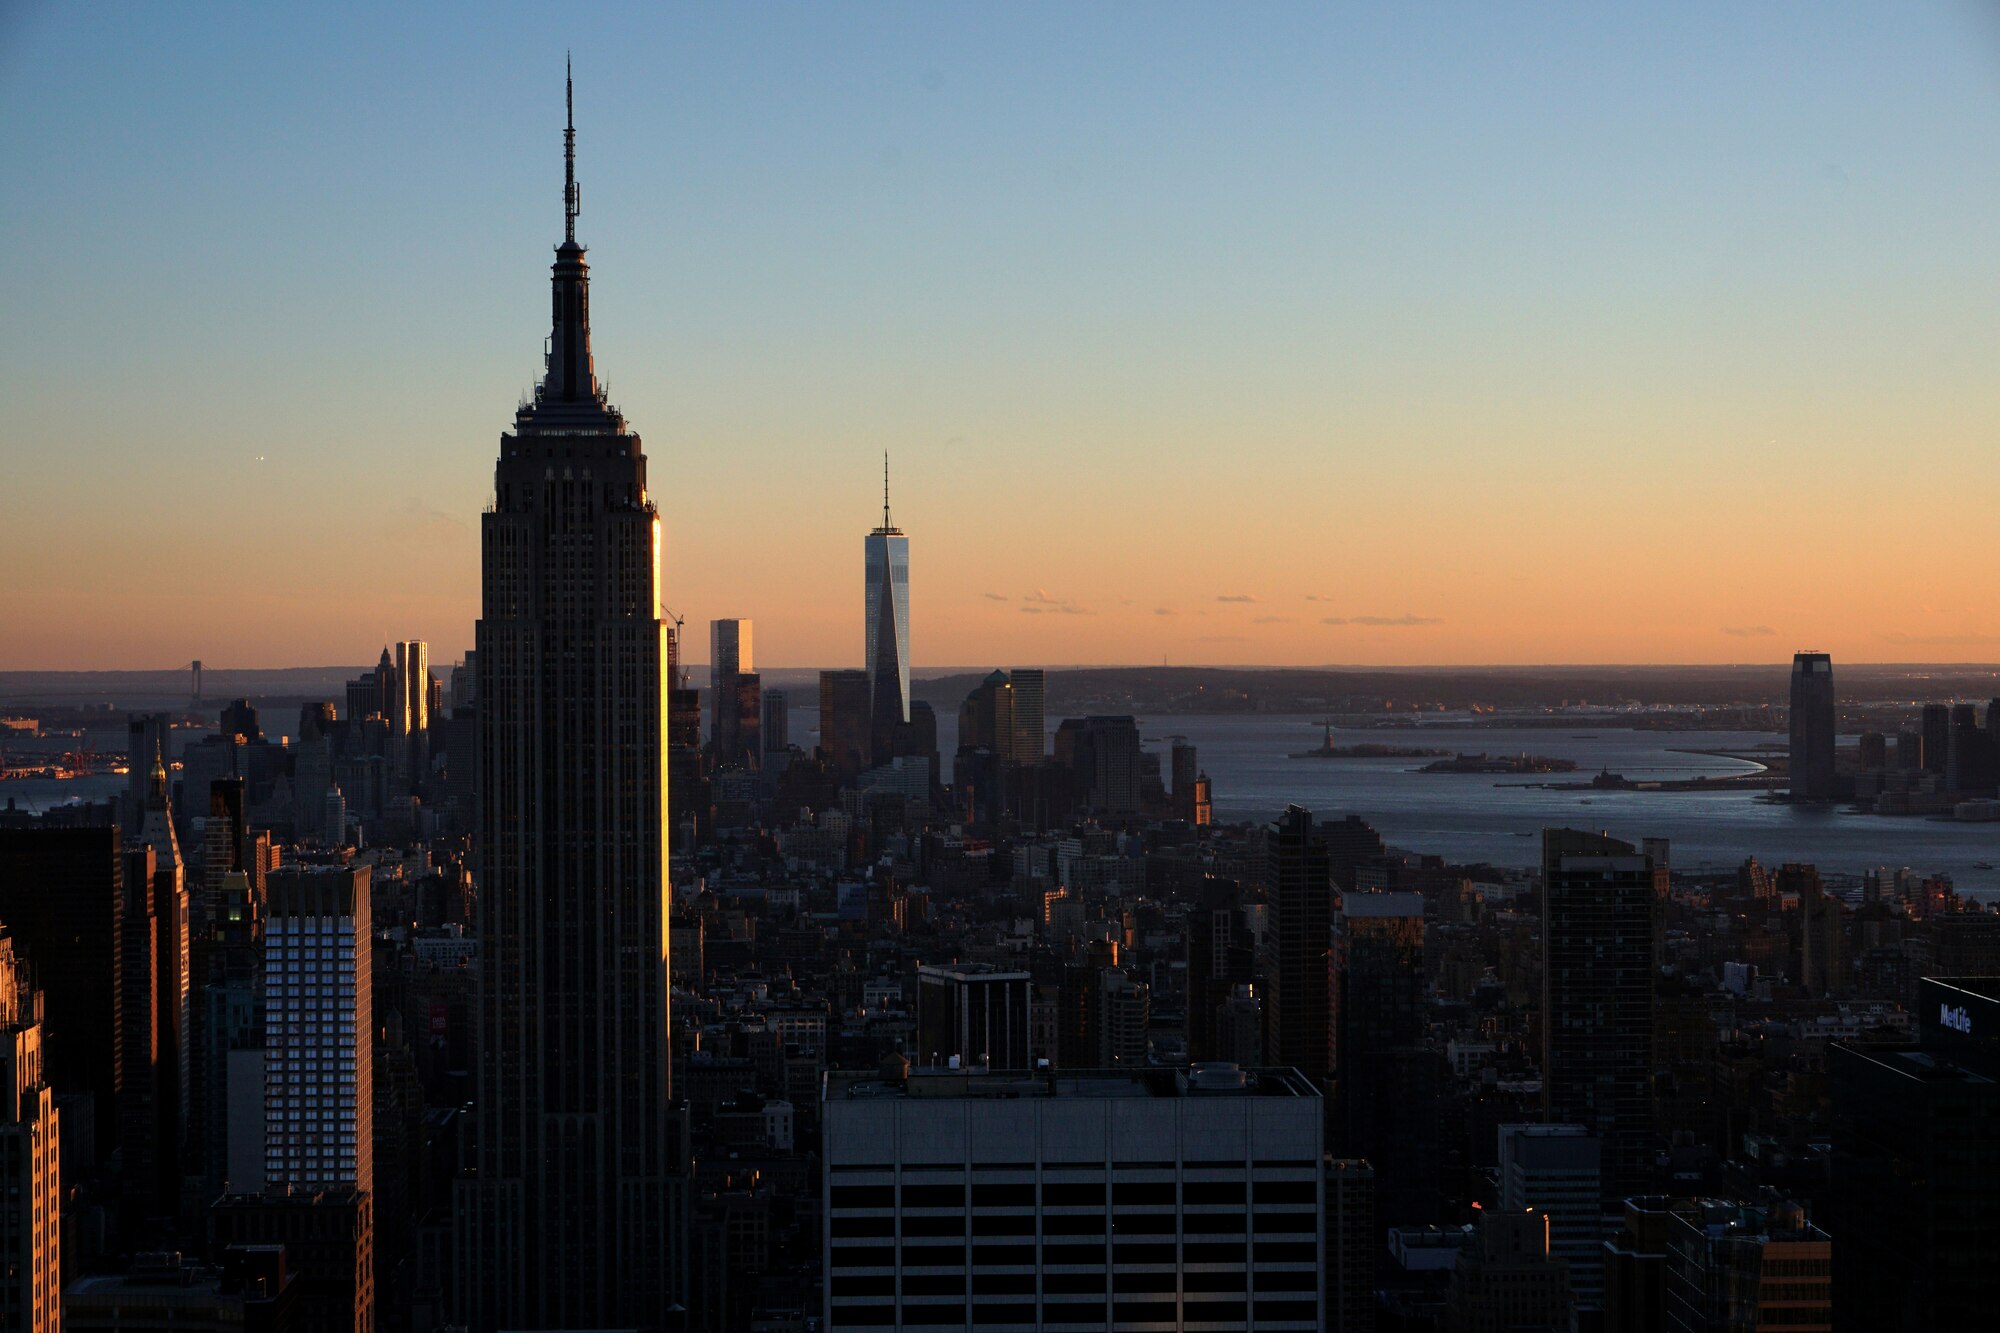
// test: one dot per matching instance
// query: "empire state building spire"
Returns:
(571, 377)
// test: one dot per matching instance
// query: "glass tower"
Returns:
(888, 620)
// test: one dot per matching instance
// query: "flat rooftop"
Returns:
(1212, 1080)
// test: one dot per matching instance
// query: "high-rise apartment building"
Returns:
(1814, 716)
(1078, 1201)
(567, 1218)
(31, 1281)
(886, 621)
(1601, 923)
(319, 1031)
(731, 654)
(1298, 888)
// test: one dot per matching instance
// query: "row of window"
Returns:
(1121, 1284)
(1053, 1254)
(1190, 1313)
(1064, 1194)
(1077, 1224)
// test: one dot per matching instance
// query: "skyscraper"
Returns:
(731, 654)
(319, 1031)
(886, 602)
(1298, 882)
(1814, 715)
(1600, 954)
(30, 1160)
(566, 1221)
(1030, 715)
(1388, 1081)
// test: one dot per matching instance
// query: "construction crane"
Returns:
(676, 677)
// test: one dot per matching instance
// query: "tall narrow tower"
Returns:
(887, 602)
(566, 1221)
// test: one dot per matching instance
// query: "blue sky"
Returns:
(1465, 316)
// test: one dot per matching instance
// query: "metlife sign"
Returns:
(1956, 1017)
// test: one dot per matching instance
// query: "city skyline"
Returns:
(1460, 298)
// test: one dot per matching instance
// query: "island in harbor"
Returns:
(1502, 764)
(1364, 750)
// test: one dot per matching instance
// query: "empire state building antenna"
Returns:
(572, 197)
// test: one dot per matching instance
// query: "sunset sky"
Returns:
(1252, 334)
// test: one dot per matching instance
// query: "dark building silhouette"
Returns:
(568, 1218)
(844, 722)
(1388, 1083)
(1298, 889)
(1031, 692)
(1937, 737)
(1600, 952)
(1103, 753)
(1915, 1169)
(1814, 716)
(974, 1014)
(74, 941)
(886, 623)
(1351, 1243)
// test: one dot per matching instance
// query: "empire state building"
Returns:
(568, 1218)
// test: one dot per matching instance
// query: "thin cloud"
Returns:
(1315, 597)
(1403, 621)
(1749, 631)
(1236, 597)
(1272, 620)
(996, 597)
(1939, 640)
(1165, 611)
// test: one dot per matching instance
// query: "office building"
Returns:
(1936, 731)
(329, 1240)
(31, 1278)
(1351, 1244)
(251, 1290)
(1103, 754)
(74, 942)
(1757, 1268)
(1388, 1082)
(1031, 693)
(971, 1015)
(319, 1023)
(844, 722)
(886, 622)
(1601, 923)
(1915, 1172)
(566, 1219)
(1185, 771)
(153, 1009)
(1506, 1281)
(731, 653)
(777, 728)
(1556, 1169)
(1298, 889)
(748, 729)
(1073, 1200)
(150, 738)
(409, 710)
(1814, 716)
